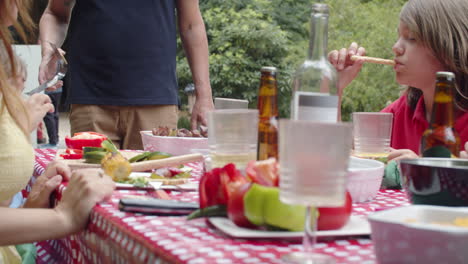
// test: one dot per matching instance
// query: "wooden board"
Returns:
(137, 166)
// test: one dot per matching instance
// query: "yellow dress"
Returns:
(16, 168)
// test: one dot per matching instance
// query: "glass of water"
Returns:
(232, 136)
(313, 163)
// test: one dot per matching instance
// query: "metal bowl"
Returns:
(436, 181)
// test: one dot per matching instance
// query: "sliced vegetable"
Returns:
(150, 156)
(210, 190)
(109, 146)
(264, 208)
(84, 139)
(215, 210)
(72, 154)
(91, 149)
(139, 157)
(236, 206)
(335, 217)
(263, 172)
(94, 157)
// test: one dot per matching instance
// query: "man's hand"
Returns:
(199, 112)
(48, 66)
(46, 184)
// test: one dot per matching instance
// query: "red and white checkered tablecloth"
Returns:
(118, 237)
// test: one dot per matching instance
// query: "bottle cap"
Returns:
(268, 69)
(448, 75)
(320, 8)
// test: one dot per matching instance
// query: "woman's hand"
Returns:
(86, 188)
(39, 197)
(399, 154)
(347, 69)
(38, 105)
(464, 154)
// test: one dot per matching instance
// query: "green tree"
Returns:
(245, 35)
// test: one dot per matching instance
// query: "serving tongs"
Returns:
(62, 67)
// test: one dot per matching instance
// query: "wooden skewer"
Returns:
(373, 60)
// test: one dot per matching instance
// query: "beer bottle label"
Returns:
(437, 152)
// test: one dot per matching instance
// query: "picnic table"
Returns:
(113, 236)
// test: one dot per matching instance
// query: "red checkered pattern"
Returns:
(114, 236)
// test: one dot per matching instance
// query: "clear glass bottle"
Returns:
(441, 139)
(314, 90)
(268, 114)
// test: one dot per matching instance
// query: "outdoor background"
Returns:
(245, 35)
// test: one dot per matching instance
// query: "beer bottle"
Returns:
(268, 114)
(441, 139)
(314, 89)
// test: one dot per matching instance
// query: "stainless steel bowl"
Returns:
(436, 181)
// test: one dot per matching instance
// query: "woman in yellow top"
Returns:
(17, 119)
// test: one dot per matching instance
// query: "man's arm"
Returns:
(53, 28)
(193, 35)
(53, 25)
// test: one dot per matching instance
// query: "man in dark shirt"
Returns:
(122, 63)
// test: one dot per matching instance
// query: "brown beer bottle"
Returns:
(441, 139)
(268, 114)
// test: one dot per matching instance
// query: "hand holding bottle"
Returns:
(347, 69)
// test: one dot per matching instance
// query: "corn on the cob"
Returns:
(116, 166)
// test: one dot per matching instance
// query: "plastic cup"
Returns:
(232, 137)
(372, 134)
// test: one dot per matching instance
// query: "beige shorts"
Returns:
(122, 124)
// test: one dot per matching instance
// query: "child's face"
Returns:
(416, 66)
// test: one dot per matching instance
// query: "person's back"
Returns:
(123, 53)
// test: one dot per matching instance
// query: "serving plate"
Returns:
(357, 225)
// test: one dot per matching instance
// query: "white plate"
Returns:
(357, 225)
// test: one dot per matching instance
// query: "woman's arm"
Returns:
(27, 225)
(85, 189)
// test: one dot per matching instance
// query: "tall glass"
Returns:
(372, 134)
(313, 163)
(233, 136)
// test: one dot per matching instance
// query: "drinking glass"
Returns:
(372, 134)
(313, 163)
(232, 136)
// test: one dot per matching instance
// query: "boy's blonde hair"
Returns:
(442, 26)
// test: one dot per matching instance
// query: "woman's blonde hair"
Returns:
(441, 26)
(10, 98)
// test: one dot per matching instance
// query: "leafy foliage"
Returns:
(245, 35)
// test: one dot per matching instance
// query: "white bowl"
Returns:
(364, 178)
(409, 235)
(173, 145)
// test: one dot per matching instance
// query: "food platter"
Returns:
(356, 226)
